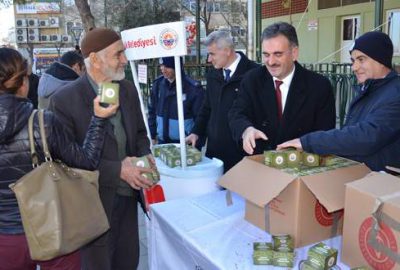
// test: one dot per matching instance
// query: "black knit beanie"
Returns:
(376, 45)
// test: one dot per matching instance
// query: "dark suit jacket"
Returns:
(73, 104)
(310, 106)
(212, 120)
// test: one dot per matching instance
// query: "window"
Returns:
(393, 29)
(352, 2)
(322, 4)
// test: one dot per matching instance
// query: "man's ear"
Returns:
(94, 59)
(295, 53)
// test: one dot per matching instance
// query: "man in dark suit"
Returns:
(280, 100)
(120, 182)
(222, 86)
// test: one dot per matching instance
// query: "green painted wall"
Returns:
(323, 44)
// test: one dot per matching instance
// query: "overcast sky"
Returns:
(7, 21)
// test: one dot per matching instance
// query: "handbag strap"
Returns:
(34, 156)
(35, 160)
(46, 151)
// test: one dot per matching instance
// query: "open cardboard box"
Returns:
(380, 194)
(309, 208)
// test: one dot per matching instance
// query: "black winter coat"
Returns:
(372, 130)
(15, 159)
(310, 106)
(212, 121)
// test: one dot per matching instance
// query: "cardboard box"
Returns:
(283, 203)
(380, 192)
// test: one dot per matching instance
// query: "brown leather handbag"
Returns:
(60, 206)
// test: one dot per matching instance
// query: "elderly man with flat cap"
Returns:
(372, 130)
(119, 182)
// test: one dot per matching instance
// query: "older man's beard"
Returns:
(114, 75)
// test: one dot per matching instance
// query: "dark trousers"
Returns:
(118, 249)
(14, 255)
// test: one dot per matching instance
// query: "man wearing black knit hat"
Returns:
(119, 182)
(372, 130)
(163, 109)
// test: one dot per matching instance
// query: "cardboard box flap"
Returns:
(255, 181)
(378, 185)
(329, 187)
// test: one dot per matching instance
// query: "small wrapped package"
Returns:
(194, 152)
(109, 93)
(322, 257)
(262, 246)
(293, 158)
(306, 265)
(144, 162)
(173, 160)
(263, 257)
(310, 160)
(276, 159)
(283, 259)
(190, 159)
(328, 160)
(157, 150)
(283, 243)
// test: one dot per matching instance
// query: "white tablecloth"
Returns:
(203, 233)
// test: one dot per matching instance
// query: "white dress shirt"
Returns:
(233, 66)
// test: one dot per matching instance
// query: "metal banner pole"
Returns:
(136, 81)
(181, 120)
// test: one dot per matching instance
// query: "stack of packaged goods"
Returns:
(146, 163)
(320, 257)
(171, 155)
(302, 163)
(279, 253)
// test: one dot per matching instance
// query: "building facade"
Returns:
(41, 32)
(327, 28)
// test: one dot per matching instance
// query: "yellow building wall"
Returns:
(324, 43)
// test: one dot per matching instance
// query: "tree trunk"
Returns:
(85, 13)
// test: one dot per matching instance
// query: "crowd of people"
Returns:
(246, 108)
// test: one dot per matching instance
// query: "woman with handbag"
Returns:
(16, 161)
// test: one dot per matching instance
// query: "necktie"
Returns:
(278, 94)
(227, 74)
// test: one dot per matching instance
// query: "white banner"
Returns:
(154, 41)
(38, 7)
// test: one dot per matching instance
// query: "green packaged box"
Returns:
(310, 160)
(293, 158)
(328, 160)
(283, 243)
(262, 246)
(263, 257)
(283, 259)
(276, 159)
(194, 152)
(109, 93)
(267, 158)
(190, 160)
(306, 265)
(173, 161)
(143, 162)
(157, 150)
(322, 256)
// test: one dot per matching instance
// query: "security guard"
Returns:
(163, 110)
